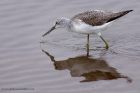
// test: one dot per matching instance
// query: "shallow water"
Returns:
(59, 65)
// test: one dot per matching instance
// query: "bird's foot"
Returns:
(106, 47)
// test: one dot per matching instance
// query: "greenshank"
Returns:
(89, 22)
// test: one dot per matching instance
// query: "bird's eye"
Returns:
(57, 23)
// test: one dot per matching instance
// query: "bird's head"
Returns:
(60, 23)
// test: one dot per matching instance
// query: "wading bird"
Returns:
(89, 22)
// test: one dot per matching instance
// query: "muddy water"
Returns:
(60, 64)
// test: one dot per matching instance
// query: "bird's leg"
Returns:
(87, 45)
(106, 44)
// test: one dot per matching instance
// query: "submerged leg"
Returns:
(106, 44)
(87, 45)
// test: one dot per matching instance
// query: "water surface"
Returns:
(59, 65)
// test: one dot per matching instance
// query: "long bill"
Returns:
(49, 31)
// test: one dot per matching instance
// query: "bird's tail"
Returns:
(119, 14)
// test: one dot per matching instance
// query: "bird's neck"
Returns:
(68, 23)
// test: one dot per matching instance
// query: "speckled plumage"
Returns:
(97, 18)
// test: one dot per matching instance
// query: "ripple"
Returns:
(23, 64)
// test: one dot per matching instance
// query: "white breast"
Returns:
(81, 27)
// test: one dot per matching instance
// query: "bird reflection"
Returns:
(89, 68)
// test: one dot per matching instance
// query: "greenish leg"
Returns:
(87, 45)
(106, 44)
